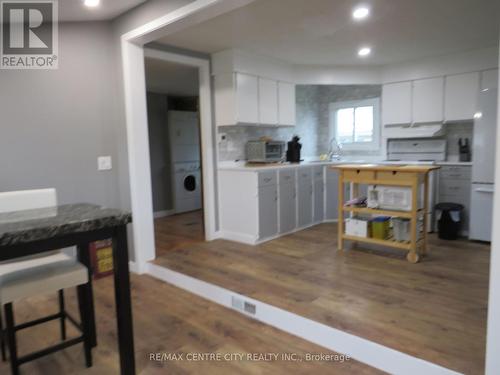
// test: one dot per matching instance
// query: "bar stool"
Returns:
(37, 275)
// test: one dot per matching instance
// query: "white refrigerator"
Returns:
(483, 166)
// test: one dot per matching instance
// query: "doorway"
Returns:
(175, 154)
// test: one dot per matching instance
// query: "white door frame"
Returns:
(132, 52)
(208, 151)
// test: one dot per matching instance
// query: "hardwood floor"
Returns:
(176, 231)
(167, 320)
(435, 310)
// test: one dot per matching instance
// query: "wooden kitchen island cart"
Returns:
(414, 177)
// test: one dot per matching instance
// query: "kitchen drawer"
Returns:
(454, 187)
(267, 178)
(358, 175)
(287, 176)
(455, 172)
(304, 174)
(318, 173)
(394, 176)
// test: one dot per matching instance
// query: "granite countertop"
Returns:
(32, 225)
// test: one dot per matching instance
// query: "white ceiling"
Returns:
(74, 10)
(170, 78)
(322, 32)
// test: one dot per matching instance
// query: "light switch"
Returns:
(104, 163)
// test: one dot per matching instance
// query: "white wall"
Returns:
(463, 62)
(327, 75)
(232, 60)
(493, 334)
(469, 61)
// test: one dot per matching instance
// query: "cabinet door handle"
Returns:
(482, 190)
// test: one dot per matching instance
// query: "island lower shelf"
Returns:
(375, 241)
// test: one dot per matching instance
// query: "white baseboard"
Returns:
(134, 267)
(165, 213)
(238, 237)
(362, 350)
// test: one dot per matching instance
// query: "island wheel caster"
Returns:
(412, 257)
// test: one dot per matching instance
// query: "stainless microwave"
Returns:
(265, 151)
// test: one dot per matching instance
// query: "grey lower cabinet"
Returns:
(287, 201)
(455, 187)
(288, 208)
(304, 197)
(268, 211)
(331, 196)
(319, 201)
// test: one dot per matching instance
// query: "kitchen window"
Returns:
(356, 124)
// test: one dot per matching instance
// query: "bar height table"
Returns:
(30, 232)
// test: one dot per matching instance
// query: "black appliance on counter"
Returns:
(464, 149)
(293, 151)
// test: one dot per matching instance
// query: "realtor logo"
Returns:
(29, 34)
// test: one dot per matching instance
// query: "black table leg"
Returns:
(123, 301)
(87, 297)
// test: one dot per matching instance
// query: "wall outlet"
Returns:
(104, 163)
(222, 138)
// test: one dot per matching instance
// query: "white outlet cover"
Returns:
(222, 137)
(104, 163)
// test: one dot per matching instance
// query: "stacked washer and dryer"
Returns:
(184, 135)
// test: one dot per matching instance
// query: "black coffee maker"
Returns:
(293, 151)
(464, 149)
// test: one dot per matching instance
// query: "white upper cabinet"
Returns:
(489, 79)
(247, 99)
(461, 94)
(427, 100)
(286, 106)
(268, 101)
(252, 90)
(396, 103)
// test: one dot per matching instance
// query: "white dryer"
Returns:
(187, 186)
(185, 155)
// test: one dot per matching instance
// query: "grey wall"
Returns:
(312, 120)
(159, 150)
(54, 124)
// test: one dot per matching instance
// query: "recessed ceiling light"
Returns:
(365, 51)
(360, 13)
(91, 3)
(478, 115)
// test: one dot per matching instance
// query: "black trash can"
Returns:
(449, 218)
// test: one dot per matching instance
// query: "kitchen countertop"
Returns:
(241, 166)
(464, 163)
(33, 225)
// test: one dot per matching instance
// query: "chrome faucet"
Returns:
(335, 150)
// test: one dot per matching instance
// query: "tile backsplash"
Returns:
(455, 131)
(312, 121)
(237, 136)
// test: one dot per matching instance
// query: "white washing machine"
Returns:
(185, 155)
(187, 186)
